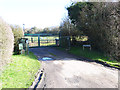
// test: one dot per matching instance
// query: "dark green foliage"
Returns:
(100, 21)
(18, 34)
(113, 36)
(64, 42)
(68, 29)
(6, 43)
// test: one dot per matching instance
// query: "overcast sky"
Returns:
(40, 13)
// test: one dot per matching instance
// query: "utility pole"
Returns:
(24, 28)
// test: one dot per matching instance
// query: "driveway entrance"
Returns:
(38, 40)
(68, 71)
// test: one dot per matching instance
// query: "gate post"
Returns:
(39, 40)
(60, 38)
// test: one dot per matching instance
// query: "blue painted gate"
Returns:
(38, 40)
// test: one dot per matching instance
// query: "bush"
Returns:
(64, 41)
(113, 32)
(18, 34)
(6, 43)
(100, 22)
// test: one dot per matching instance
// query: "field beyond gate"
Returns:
(44, 40)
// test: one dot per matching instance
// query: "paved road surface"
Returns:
(67, 71)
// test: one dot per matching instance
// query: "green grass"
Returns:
(82, 38)
(20, 73)
(94, 55)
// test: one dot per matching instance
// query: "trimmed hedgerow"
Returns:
(6, 43)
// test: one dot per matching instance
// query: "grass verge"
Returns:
(20, 73)
(94, 55)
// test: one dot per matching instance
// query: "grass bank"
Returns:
(20, 73)
(94, 55)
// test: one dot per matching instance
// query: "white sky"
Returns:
(40, 13)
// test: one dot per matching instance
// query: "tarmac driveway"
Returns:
(68, 71)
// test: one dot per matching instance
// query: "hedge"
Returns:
(18, 34)
(6, 43)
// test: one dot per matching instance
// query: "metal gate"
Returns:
(38, 40)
